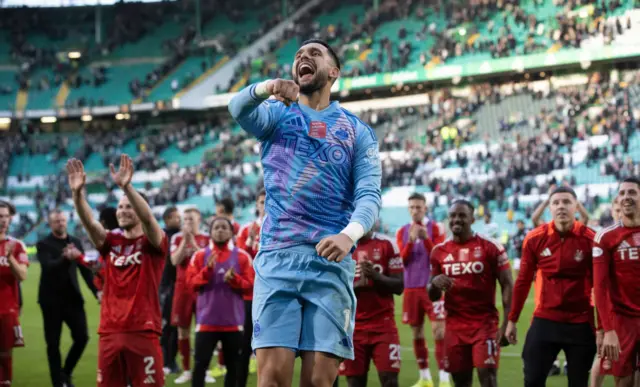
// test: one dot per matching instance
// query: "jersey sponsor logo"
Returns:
(624, 245)
(126, 260)
(597, 252)
(315, 150)
(395, 263)
(545, 253)
(579, 256)
(477, 252)
(317, 129)
(631, 254)
(373, 155)
(462, 268)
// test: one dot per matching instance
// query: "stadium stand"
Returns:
(407, 35)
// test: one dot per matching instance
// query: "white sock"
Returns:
(557, 363)
(425, 374)
(444, 376)
(565, 363)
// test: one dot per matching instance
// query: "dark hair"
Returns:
(261, 193)
(326, 45)
(464, 202)
(227, 205)
(633, 180)
(168, 212)
(108, 218)
(564, 189)
(216, 218)
(417, 196)
(8, 206)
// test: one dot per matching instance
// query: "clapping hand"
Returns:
(229, 275)
(368, 270)
(71, 252)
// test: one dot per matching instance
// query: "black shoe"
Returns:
(555, 370)
(66, 380)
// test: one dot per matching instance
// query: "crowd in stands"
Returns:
(438, 42)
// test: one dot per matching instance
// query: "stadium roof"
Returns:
(66, 3)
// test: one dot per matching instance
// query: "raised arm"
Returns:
(122, 178)
(536, 217)
(254, 113)
(77, 178)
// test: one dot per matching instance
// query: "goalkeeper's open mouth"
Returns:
(306, 71)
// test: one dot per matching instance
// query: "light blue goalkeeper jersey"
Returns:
(321, 169)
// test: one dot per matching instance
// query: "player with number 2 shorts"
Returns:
(378, 277)
(134, 255)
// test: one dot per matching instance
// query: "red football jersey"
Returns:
(616, 264)
(375, 309)
(243, 236)
(8, 282)
(132, 272)
(474, 266)
(202, 240)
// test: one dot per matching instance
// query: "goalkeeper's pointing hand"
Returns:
(334, 247)
(283, 90)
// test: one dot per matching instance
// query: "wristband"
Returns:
(261, 90)
(354, 230)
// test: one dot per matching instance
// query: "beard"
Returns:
(319, 81)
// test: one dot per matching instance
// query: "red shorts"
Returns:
(183, 308)
(10, 332)
(416, 304)
(628, 330)
(136, 356)
(467, 348)
(382, 348)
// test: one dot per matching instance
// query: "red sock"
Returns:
(5, 369)
(220, 358)
(422, 356)
(184, 346)
(440, 353)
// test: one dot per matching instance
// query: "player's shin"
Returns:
(5, 368)
(488, 377)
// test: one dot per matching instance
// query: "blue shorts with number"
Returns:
(303, 302)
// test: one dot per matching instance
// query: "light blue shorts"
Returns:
(303, 302)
